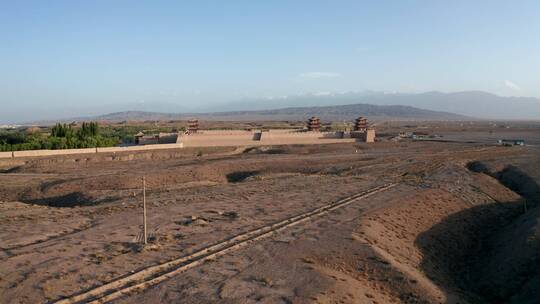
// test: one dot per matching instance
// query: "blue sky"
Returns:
(85, 55)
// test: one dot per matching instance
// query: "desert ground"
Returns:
(452, 220)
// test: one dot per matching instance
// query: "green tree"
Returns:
(61, 130)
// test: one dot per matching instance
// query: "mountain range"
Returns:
(476, 104)
(328, 105)
(332, 113)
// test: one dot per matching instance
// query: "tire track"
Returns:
(156, 274)
(9, 249)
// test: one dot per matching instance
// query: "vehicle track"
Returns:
(156, 274)
(9, 250)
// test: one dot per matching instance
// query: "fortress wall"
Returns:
(303, 137)
(300, 135)
(303, 140)
(271, 135)
(140, 148)
(215, 140)
(38, 153)
(268, 138)
(222, 132)
(284, 131)
(32, 153)
(6, 155)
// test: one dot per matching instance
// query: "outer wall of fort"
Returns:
(271, 137)
(206, 138)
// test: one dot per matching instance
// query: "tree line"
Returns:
(62, 136)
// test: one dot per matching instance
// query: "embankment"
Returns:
(466, 240)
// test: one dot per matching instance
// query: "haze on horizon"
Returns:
(65, 58)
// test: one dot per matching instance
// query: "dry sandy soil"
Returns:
(390, 222)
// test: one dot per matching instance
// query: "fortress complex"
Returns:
(312, 134)
(194, 137)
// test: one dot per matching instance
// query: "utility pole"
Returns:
(144, 210)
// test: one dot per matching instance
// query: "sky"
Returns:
(67, 57)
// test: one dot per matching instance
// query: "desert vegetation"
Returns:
(60, 136)
(75, 135)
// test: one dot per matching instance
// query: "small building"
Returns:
(511, 142)
(161, 138)
(418, 135)
(405, 134)
(141, 139)
(167, 138)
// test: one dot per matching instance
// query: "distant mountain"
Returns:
(339, 112)
(134, 116)
(470, 103)
(477, 104)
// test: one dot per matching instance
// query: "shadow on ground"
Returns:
(74, 199)
(459, 251)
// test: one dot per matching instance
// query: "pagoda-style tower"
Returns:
(360, 124)
(193, 126)
(314, 124)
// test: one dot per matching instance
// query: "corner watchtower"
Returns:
(314, 124)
